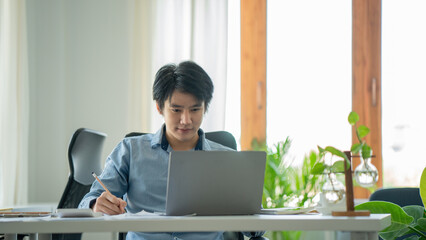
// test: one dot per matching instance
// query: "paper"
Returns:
(286, 210)
(145, 213)
(128, 215)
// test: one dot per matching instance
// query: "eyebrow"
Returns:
(179, 106)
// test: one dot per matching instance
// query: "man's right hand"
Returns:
(109, 204)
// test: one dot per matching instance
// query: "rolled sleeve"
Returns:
(114, 176)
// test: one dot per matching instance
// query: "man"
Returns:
(137, 167)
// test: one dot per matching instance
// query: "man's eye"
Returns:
(175, 110)
(195, 109)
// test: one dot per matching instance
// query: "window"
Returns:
(309, 74)
(403, 86)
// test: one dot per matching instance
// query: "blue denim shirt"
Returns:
(137, 170)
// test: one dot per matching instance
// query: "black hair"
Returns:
(186, 77)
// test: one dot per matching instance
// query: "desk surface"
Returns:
(373, 223)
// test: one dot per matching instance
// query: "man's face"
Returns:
(183, 115)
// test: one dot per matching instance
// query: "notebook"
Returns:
(215, 182)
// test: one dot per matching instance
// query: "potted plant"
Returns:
(408, 221)
(366, 174)
(286, 185)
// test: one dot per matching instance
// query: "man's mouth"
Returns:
(184, 129)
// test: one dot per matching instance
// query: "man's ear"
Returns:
(158, 108)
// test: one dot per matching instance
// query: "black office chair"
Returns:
(399, 196)
(84, 157)
(226, 139)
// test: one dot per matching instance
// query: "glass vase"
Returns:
(333, 190)
(366, 174)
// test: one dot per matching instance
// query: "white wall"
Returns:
(79, 72)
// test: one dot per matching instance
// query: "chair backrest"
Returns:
(399, 196)
(84, 157)
(222, 137)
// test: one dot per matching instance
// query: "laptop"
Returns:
(215, 183)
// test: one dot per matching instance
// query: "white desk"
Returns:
(360, 227)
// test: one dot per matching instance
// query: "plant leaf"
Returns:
(320, 149)
(318, 168)
(416, 229)
(414, 237)
(394, 230)
(415, 211)
(423, 187)
(397, 213)
(363, 131)
(353, 118)
(421, 222)
(335, 151)
(356, 147)
(402, 218)
(338, 166)
(366, 151)
(312, 158)
(274, 167)
(338, 153)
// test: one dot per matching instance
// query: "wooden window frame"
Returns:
(366, 78)
(253, 72)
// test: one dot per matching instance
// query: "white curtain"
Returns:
(209, 49)
(171, 31)
(14, 103)
(141, 69)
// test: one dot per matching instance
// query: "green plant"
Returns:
(405, 221)
(321, 167)
(306, 184)
(276, 186)
(366, 174)
(361, 132)
(423, 187)
(286, 185)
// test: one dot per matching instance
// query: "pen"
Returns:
(5, 209)
(106, 189)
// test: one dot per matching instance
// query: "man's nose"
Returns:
(185, 118)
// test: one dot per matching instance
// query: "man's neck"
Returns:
(183, 146)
